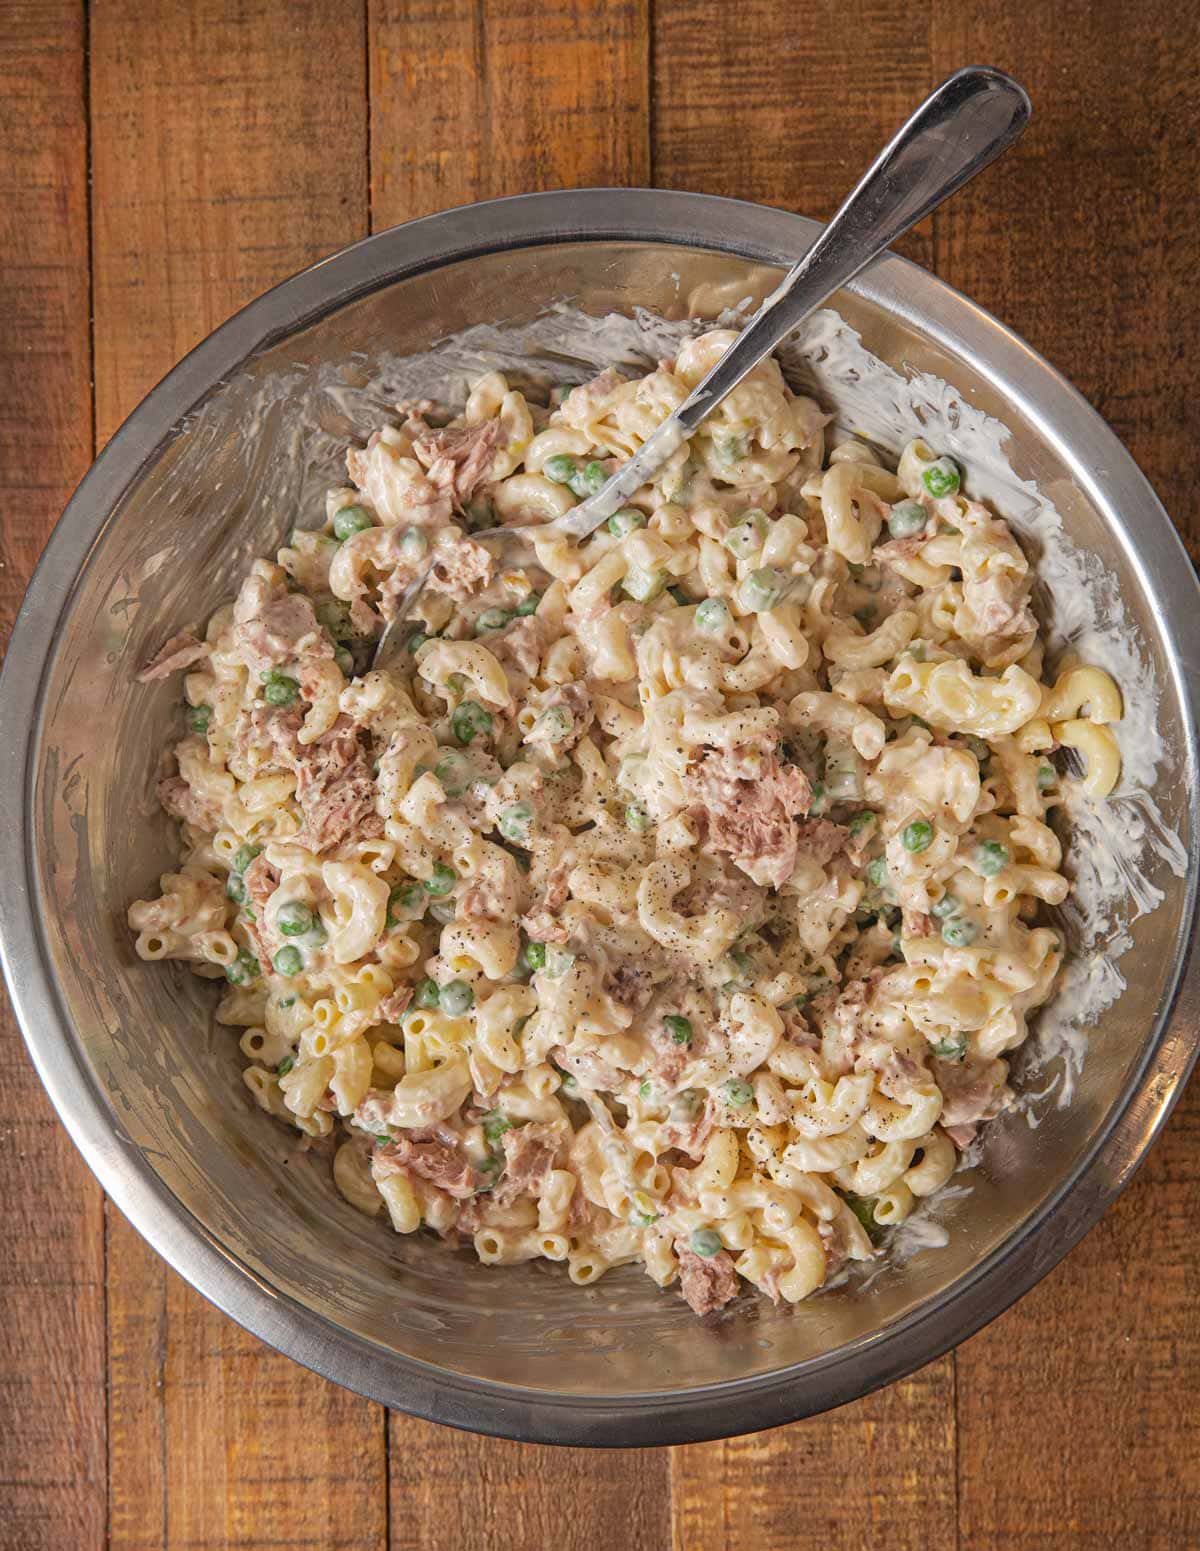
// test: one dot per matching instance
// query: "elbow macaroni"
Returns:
(673, 900)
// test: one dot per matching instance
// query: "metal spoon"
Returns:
(958, 130)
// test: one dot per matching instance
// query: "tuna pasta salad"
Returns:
(674, 898)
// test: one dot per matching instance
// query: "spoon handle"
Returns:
(959, 129)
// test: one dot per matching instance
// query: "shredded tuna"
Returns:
(528, 1157)
(273, 627)
(393, 1007)
(707, 1282)
(590, 1070)
(583, 403)
(335, 790)
(466, 452)
(182, 803)
(460, 567)
(261, 880)
(746, 806)
(425, 1156)
(900, 551)
(519, 646)
(574, 698)
(820, 840)
(181, 651)
(692, 1137)
(271, 732)
(961, 1136)
(972, 1091)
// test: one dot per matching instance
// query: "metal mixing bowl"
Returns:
(207, 472)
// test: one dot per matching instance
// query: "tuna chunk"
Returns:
(460, 566)
(425, 1155)
(707, 1282)
(820, 840)
(747, 806)
(393, 1008)
(528, 1157)
(460, 457)
(972, 1091)
(181, 651)
(335, 790)
(273, 627)
(182, 803)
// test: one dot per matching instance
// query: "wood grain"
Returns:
(1083, 239)
(785, 105)
(473, 101)
(1079, 1411)
(877, 1473)
(229, 149)
(52, 1462)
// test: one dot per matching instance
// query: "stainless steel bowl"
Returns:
(206, 472)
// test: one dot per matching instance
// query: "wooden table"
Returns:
(162, 163)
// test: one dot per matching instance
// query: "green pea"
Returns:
(294, 918)
(712, 614)
(643, 1209)
(977, 747)
(443, 880)
(907, 518)
(680, 597)
(416, 641)
(345, 661)
(1046, 777)
(706, 1242)
(637, 819)
(686, 1105)
(559, 468)
(285, 1066)
(622, 523)
(917, 836)
(764, 588)
(953, 1049)
(453, 771)
(945, 908)
(876, 873)
(470, 721)
(991, 857)
(243, 969)
(730, 448)
(455, 683)
(645, 1090)
(959, 933)
(288, 961)
(286, 1001)
(457, 998)
(535, 955)
(587, 480)
(737, 1092)
(679, 1028)
(351, 520)
(820, 802)
(334, 614)
(235, 888)
(281, 690)
(495, 1125)
(861, 823)
(556, 723)
(558, 961)
(529, 604)
(942, 478)
(515, 822)
(428, 994)
(382, 1138)
(863, 1208)
(407, 897)
(414, 544)
(746, 538)
(493, 619)
(244, 855)
(644, 586)
(198, 717)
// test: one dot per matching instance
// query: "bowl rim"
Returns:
(755, 233)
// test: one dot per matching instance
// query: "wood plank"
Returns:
(781, 104)
(1079, 1417)
(482, 1494)
(504, 97)
(1083, 237)
(877, 1473)
(52, 1422)
(229, 149)
(841, 80)
(472, 102)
